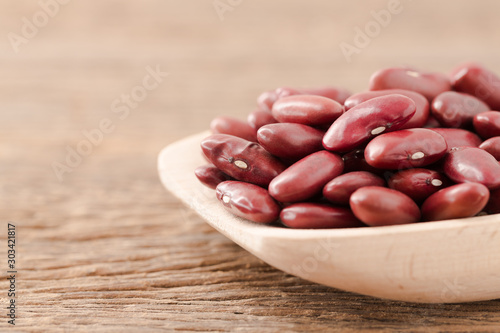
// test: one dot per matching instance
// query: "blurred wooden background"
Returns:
(107, 249)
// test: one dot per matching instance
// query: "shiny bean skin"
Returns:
(248, 201)
(306, 178)
(210, 176)
(454, 109)
(241, 159)
(422, 112)
(492, 146)
(457, 137)
(259, 118)
(472, 165)
(318, 216)
(309, 110)
(457, 201)
(340, 188)
(493, 205)
(418, 183)
(367, 119)
(478, 81)
(289, 140)
(487, 124)
(428, 84)
(233, 126)
(379, 206)
(409, 148)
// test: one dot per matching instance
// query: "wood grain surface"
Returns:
(103, 247)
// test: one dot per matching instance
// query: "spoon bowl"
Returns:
(429, 262)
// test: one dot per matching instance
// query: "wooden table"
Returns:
(100, 245)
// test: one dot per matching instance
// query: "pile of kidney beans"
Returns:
(417, 146)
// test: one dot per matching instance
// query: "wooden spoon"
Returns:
(432, 262)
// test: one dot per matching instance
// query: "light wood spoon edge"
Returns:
(433, 262)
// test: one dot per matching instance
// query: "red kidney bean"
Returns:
(409, 148)
(428, 84)
(487, 124)
(241, 159)
(493, 205)
(233, 126)
(288, 140)
(365, 120)
(337, 94)
(355, 161)
(378, 206)
(266, 100)
(418, 183)
(307, 110)
(318, 216)
(454, 109)
(431, 122)
(248, 201)
(210, 176)
(472, 165)
(492, 146)
(283, 92)
(259, 118)
(306, 178)
(457, 201)
(478, 81)
(420, 117)
(456, 137)
(340, 188)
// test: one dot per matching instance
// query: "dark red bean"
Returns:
(233, 126)
(418, 183)
(457, 201)
(288, 140)
(241, 159)
(493, 205)
(487, 124)
(409, 148)
(420, 117)
(306, 178)
(340, 188)
(378, 206)
(355, 161)
(456, 137)
(478, 81)
(309, 110)
(318, 216)
(454, 109)
(210, 176)
(368, 119)
(472, 165)
(248, 201)
(259, 118)
(428, 84)
(492, 146)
